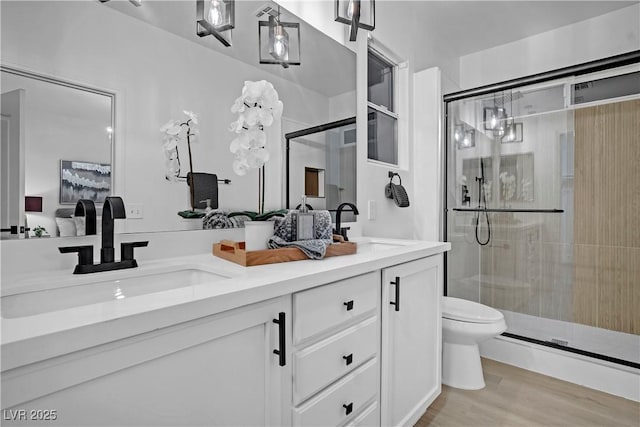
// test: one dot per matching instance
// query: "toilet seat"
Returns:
(468, 311)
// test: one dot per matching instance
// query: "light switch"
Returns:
(135, 211)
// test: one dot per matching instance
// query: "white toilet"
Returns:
(464, 325)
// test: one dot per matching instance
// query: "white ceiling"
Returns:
(426, 32)
(327, 67)
(458, 28)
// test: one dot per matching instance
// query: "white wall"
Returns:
(600, 37)
(427, 110)
(343, 106)
(97, 46)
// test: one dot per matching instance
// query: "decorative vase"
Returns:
(257, 235)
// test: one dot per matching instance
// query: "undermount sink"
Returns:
(119, 286)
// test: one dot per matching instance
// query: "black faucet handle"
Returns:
(343, 233)
(126, 249)
(85, 253)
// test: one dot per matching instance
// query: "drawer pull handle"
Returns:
(281, 351)
(396, 283)
(348, 408)
(349, 305)
(348, 359)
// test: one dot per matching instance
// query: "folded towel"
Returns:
(191, 214)
(286, 226)
(314, 249)
(218, 218)
(285, 230)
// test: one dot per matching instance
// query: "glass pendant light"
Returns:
(215, 18)
(356, 14)
(279, 42)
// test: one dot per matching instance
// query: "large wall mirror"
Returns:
(57, 146)
(137, 68)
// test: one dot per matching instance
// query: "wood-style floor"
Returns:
(517, 397)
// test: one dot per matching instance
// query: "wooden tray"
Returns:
(234, 252)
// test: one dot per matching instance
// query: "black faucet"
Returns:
(113, 209)
(343, 230)
(87, 209)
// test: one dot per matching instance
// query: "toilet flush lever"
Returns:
(396, 283)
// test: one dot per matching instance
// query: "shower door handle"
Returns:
(396, 283)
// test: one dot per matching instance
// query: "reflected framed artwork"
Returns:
(84, 180)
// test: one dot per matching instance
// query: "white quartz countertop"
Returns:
(41, 336)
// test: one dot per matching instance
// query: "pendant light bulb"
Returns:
(457, 134)
(280, 46)
(215, 13)
(494, 121)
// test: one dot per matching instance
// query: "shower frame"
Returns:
(604, 64)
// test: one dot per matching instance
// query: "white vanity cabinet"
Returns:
(411, 340)
(367, 350)
(218, 370)
(357, 343)
(336, 368)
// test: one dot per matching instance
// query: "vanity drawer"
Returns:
(370, 417)
(326, 307)
(351, 394)
(320, 364)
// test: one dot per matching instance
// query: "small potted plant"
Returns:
(39, 231)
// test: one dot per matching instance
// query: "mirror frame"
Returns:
(78, 86)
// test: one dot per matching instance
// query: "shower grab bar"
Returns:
(508, 210)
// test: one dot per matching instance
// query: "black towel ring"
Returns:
(394, 174)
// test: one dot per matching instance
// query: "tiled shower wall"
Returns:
(606, 291)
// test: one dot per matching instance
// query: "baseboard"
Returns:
(421, 408)
(610, 378)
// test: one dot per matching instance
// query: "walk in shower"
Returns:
(543, 202)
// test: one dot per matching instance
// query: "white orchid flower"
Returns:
(238, 105)
(277, 109)
(240, 167)
(259, 157)
(252, 116)
(257, 138)
(254, 90)
(193, 116)
(269, 97)
(239, 143)
(237, 125)
(170, 144)
(256, 107)
(172, 127)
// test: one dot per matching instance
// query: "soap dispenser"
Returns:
(208, 208)
(304, 222)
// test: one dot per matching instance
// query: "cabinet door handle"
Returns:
(281, 351)
(348, 408)
(349, 305)
(396, 283)
(348, 359)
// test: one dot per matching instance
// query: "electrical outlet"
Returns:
(135, 211)
(371, 210)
